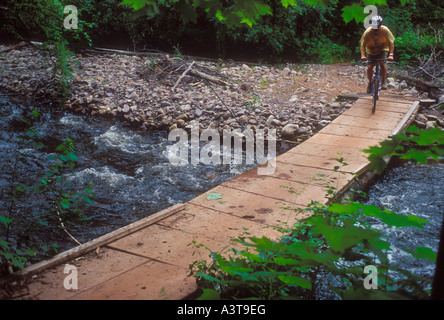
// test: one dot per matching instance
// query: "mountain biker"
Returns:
(377, 42)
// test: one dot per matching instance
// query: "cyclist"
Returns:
(377, 42)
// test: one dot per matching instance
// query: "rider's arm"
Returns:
(363, 52)
(391, 49)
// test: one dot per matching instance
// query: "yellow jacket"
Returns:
(375, 44)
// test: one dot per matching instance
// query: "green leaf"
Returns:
(287, 3)
(5, 220)
(355, 11)
(214, 196)
(375, 2)
(135, 4)
(208, 277)
(209, 294)
(72, 156)
(423, 253)
(301, 282)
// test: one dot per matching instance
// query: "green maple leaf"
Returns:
(287, 3)
(376, 2)
(355, 11)
(249, 10)
(135, 4)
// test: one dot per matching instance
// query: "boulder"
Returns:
(290, 132)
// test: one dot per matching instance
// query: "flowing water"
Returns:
(130, 171)
(133, 178)
(413, 190)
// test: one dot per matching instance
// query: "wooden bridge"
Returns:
(150, 259)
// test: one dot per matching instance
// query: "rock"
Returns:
(290, 132)
(125, 108)
(304, 130)
(323, 123)
(243, 119)
(421, 118)
(293, 99)
(268, 122)
(180, 123)
(285, 72)
(276, 122)
(419, 124)
(429, 124)
(393, 85)
(333, 105)
(413, 91)
(431, 117)
(403, 85)
(245, 86)
(198, 112)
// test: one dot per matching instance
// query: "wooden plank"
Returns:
(377, 122)
(382, 97)
(406, 119)
(366, 112)
(101, 241)
(350, 131)
(386, 106)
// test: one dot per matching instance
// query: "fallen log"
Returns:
(419, 84)
(183, 75)
(209, 78)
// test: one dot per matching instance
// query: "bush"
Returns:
(322, 257)
(325, 51)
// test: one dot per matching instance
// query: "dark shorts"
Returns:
(382, 55)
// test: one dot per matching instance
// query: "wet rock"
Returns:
(290, 132)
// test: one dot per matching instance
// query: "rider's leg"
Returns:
(370, 76)
(383, 75)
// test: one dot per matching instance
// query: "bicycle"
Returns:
(376, 81)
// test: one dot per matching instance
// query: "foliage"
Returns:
(414, 38)
(414, 144)
(40, 204)
(325, 51)
(44, 20)
(323, 255)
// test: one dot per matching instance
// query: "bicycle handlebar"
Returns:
(376, 60)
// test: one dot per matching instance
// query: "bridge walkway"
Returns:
(150, 258)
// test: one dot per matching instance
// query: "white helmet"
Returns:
(375, 22)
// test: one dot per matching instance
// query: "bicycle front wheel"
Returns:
(375, 92)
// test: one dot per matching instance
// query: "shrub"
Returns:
(322, 256)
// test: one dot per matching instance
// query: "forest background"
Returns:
(297, 31)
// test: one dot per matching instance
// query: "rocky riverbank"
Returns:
(296, 100)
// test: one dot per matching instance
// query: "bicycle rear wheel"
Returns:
(375, 92)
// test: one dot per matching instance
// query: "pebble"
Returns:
(256, 95)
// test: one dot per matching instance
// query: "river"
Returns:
(130, 171)
(132, 178)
